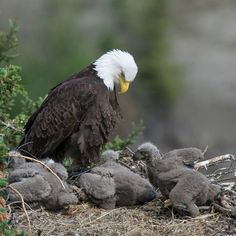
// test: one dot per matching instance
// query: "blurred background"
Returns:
(185, 51)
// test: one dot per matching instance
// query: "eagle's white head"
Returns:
(116, 67)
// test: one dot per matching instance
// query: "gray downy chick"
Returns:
(38, 185)
(191, 189)
(184, 186)
(156, 163)
(185, 156)
(149, 153)
(130, 188)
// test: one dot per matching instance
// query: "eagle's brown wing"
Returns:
(79, 112)
(58, 117)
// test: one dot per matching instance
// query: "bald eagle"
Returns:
(78, 114)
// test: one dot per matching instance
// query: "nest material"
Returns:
(149, 219)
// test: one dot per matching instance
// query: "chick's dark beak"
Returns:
(137, 156)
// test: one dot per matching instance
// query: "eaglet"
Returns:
(185, 187)
(38, 186)
(111, 184)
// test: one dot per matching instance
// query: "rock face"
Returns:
(203, 42)
(38, 186)
(110, 184)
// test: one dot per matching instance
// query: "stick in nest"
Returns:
(127, 148)
(23, 206)
(214, 160)
(17, 154)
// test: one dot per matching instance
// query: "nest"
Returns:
(149, 219)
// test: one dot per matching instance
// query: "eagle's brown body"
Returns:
(76, 117)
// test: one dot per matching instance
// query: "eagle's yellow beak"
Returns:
(124, 85)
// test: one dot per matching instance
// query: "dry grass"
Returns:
(150, 219)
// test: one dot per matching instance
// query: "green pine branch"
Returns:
(8, 41)
(119, 144)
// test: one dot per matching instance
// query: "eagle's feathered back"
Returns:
(76, 117)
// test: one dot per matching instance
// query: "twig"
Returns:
(205, 150)
(204, 208)
(231, 191)
(17, 154)
(9, 125)
(16, 202)
(201, 217)
(129, 150)
(220, 174)
(98, 218)
(221, 209)
(23, 206)
(214, 160)
(107, 213)
(122, 163)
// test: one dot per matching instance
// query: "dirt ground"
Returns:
(150, 219)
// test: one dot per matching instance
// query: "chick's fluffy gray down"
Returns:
(156, 163)
(191, 189)
(115, 184)
(39, 186)
(183, 185)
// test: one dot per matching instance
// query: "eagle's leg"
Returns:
(60, 153)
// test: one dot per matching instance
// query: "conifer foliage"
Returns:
(11, 126)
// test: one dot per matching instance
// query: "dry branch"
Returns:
(10, 126)
(23, 206)
(214, 161)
